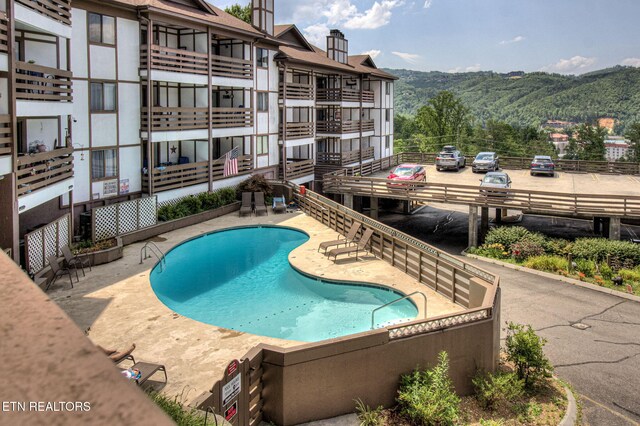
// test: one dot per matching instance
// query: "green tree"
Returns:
(444, 118)
(240, 12)
(525, 349)
(633, 134)
(592, 142)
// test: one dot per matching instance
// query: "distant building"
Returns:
(560, 141)
(557, 124)
(617, 147)
(607, 122)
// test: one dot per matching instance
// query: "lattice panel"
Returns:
(122, 218)
(437, 324)
(50, 241)
(45, 242)
(105, 222)
(127, 217)
(35, 251)
(148, 212)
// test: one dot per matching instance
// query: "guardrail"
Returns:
(245, 165)
(344, 126)
(297, 130)
(3, 33)
(223, 66)
(346, 157)
(344, 95)
(223, 118)
(299, 168)
(37, 171)
(178, 118)
(6, 141)
(297, 91)
(60, 10)
(177, 176)
(39, 83)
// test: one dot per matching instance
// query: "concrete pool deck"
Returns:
(116, 306)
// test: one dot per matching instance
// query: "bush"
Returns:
(505, 235)
(496, 251)
(524, 349)
(256, 183)
(181, 415)
(369, 416)
(598, 249)
(427, 397)
(548, 263)
(630, 274)
(558, 246)
(525, 249)
(605, 271)
(194, 204)
(586, 267)
(493, 389)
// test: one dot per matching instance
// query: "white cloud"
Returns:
(632, 62)
(373, 53)
(575, 64)
(427, 4)
(339, 11)
(516, 39)
(470, 68)
(317, 34)
(412, 58)
(377, 16)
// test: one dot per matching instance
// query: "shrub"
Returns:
(496, 251)
(548, 263)
(181, 415)
(493, 389)
(587, 267)
(558, 246)
(630, 274)
(505, 235)
(256, 183)
(525, 349)
(605, 271)
(525, 249)
(599, 249)
(427, 397)
(194, 204)
(369, 416)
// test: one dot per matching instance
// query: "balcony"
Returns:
(175, 119)
(40, 83)
(223, 118)
(41, 170)
(344, 158)
(245, 165)
(3, 34)
(177, 176)
(58, 10)
(297, 130)
(298, 168)
(223, 66)
(342, 127)
(6, 141)
(297, 91)
(344, 95)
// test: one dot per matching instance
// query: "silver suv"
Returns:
(486, 162)
(450, 158)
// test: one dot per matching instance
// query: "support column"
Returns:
(614, 228)
(374, 208)
(499, 216)
(484, 223)
(406, 207)
(348, 200)
(473, 226)
(597, 225)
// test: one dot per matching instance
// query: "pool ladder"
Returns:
(153, 248)
(373, 313)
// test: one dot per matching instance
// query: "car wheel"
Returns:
(532, 173)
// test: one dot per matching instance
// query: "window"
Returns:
(387, 142)
(387, 115)
(388, 88)
(104, 164)
(262, 145)
(103, 97)
(263, 101)
(102, 29)
(263, 58)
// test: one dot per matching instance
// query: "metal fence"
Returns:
(46, 241)
(122, 218)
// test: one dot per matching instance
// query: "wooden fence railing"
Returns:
(177, 176)
(6, 141)
(168, 118)
(39, 83)
(297, 130)
(245, 165)
(60, 10)
(231, 117)
(299, 168)
(297, 91)
(3, 33)
(344, 126)
(37, 171)
(343, 95)
(346, 157)
(223, 66)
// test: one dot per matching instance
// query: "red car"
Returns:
(405, 173)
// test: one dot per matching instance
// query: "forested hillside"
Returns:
(529, 99)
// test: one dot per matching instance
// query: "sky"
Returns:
(562, 36)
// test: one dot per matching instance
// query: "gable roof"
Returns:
(315, 57)
(291, 34)
(365, 64)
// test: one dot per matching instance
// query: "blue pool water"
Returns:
(241, 279)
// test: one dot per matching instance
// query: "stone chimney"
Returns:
(262, 15)
(337, 47)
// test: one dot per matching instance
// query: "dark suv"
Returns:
(543, 164)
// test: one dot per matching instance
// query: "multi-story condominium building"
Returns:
(105, 101)
(617, 147)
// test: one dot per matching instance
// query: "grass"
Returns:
(183, 416)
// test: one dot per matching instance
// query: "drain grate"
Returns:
(580, 326)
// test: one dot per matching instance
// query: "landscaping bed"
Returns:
(101, 252)
(599, 261)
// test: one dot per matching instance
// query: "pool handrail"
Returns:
(373, 313)
(155, 250)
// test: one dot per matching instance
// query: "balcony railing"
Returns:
(297, 91)
(171, 119)
(231, 117)
(6, 141)
(344, 158)
(343, 95)
(245, 165)
(346, 126)
(298, 168)
(36, 171)
(39, 83)
(3, 33)
(60, 10)
(178, 176)
(185, 61)
(297, 130)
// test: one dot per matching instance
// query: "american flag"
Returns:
(231, 162)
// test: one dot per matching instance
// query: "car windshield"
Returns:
(484, 157)
(404, 171)
(496, 180)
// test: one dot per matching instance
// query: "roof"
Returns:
(315, 57)
(365, 64)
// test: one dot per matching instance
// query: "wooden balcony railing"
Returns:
(39, 83)
(37, 171)
(231, 117)
(6, 141)
(245, 165)
(297, 130)
(297, 91)
(223, 66)
(178, 176)
(60, 10)
(298, 168)
(343, 95)
(344, 158)
(346, 126)
(168, 119)
(186, 61)
(3, 33)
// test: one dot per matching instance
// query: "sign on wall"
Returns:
(124, 186)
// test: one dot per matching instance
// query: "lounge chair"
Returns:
(260, 206)
(279, 205)
(350, 237)
(73, 260)
(119, 356)
(58, 271)
(246, 208)
(147, 370)
(361, 245)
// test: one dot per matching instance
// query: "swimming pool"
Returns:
(241, 279)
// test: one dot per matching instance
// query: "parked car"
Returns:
(404, 173)
(450, 158)
(543, 164)
(485, 162)
(493, 180)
